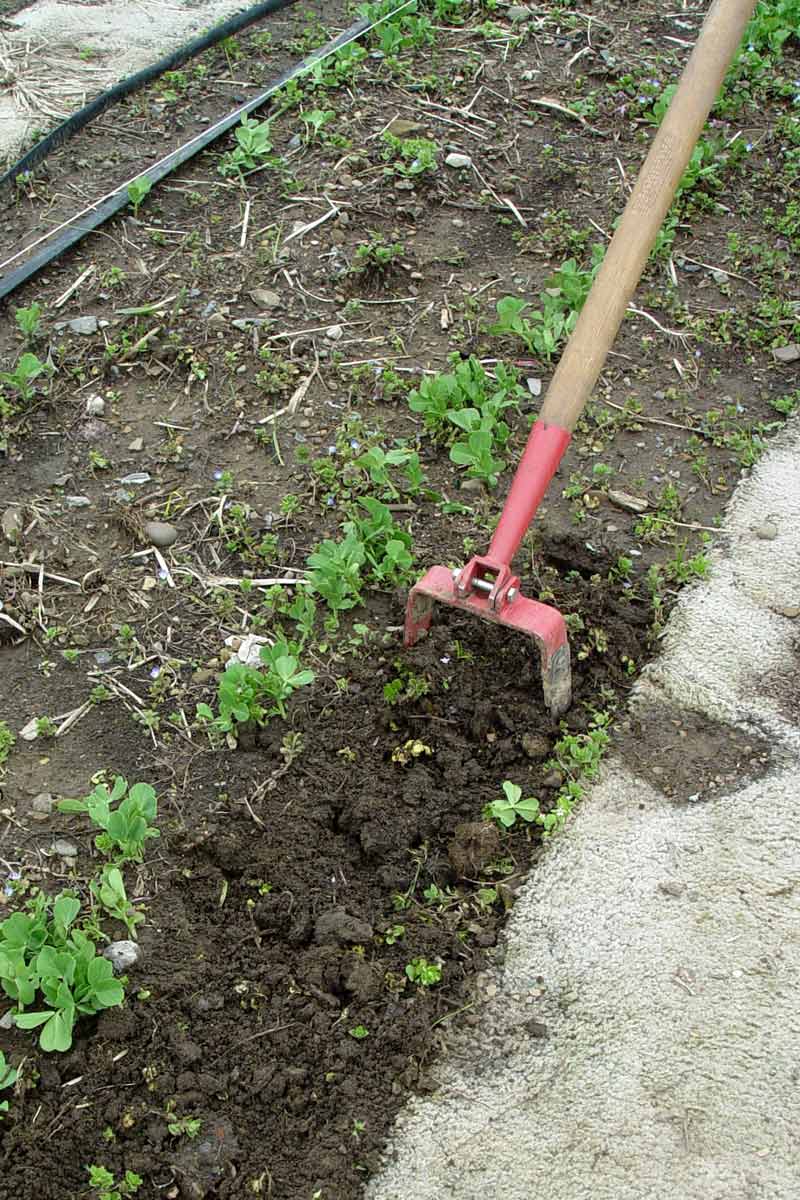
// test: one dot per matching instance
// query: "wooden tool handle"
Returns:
(615, 283)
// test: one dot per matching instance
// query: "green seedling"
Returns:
(29, 321)
(109, 892)
(185, 1127)
(315, 120)
(8, 1077)
(28, 368)
(476, 455)
(127, 827)
(252, 150)
(359, 1032)
(511, 806)
(138, 191)
(248, 694)
(423, 973)
(105, 1187)
(376, 255)
(413, 157)
(335, 572)
(7, 741)
(386, 547)
(468, 387)
(283, 675)
(44, 954)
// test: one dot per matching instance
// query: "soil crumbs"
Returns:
(323, 895)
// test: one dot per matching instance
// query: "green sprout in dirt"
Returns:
(315, 120)
(253, 148)
(45, 955)
(248, 694)
(7, 741)
(511, 805)
(577, 756)
(468, 389)
(562, 299)
(138, 191)
(406, 687)
(109, 893)
(8, 1077)
(423, 973)
(184, 1126)
(106, 1187)
(359, 1032)
(127, 827)
(377, 255)
(28, 368)
(29, 321)
(410, 157)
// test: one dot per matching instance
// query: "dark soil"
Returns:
(297, 876)
(689, 757)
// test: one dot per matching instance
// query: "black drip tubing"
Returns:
(133, 83)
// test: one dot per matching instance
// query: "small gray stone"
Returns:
(672, 887)
(41, 806)
(553, 779)
(64, 848)
(11, 522)
(122, 955)
(719, 277)
(517, 13)
(459, 162)
(634, 504)
(265, 298)
(7, 1020)
(160, 533)
(767, 531)
(333, 333)
(136, 445)
(792, 611)
(83, 325)
(95, 406)
(786, 354)
(77, 501)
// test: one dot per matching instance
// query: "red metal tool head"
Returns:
(498, 601)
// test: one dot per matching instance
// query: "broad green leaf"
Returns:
(57, 1033)
(65, 910)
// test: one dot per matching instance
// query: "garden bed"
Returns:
(329, 880)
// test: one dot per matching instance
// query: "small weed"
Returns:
(8, 1077)
(246, 694)
(253, 148)
(106, 1187)
(377, 255)
(359, 1032)
(127, 827)
(184, 1126)
(28, 368)
(507, 809)
(469, 390)
(410, 157)
(423, 973)
(109, 892)
(29, 321)
(7, 741)
(138, 191)
(562, 299)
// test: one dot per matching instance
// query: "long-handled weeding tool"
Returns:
(487, 586)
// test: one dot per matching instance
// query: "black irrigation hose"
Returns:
(72, 231)
(133, 83)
